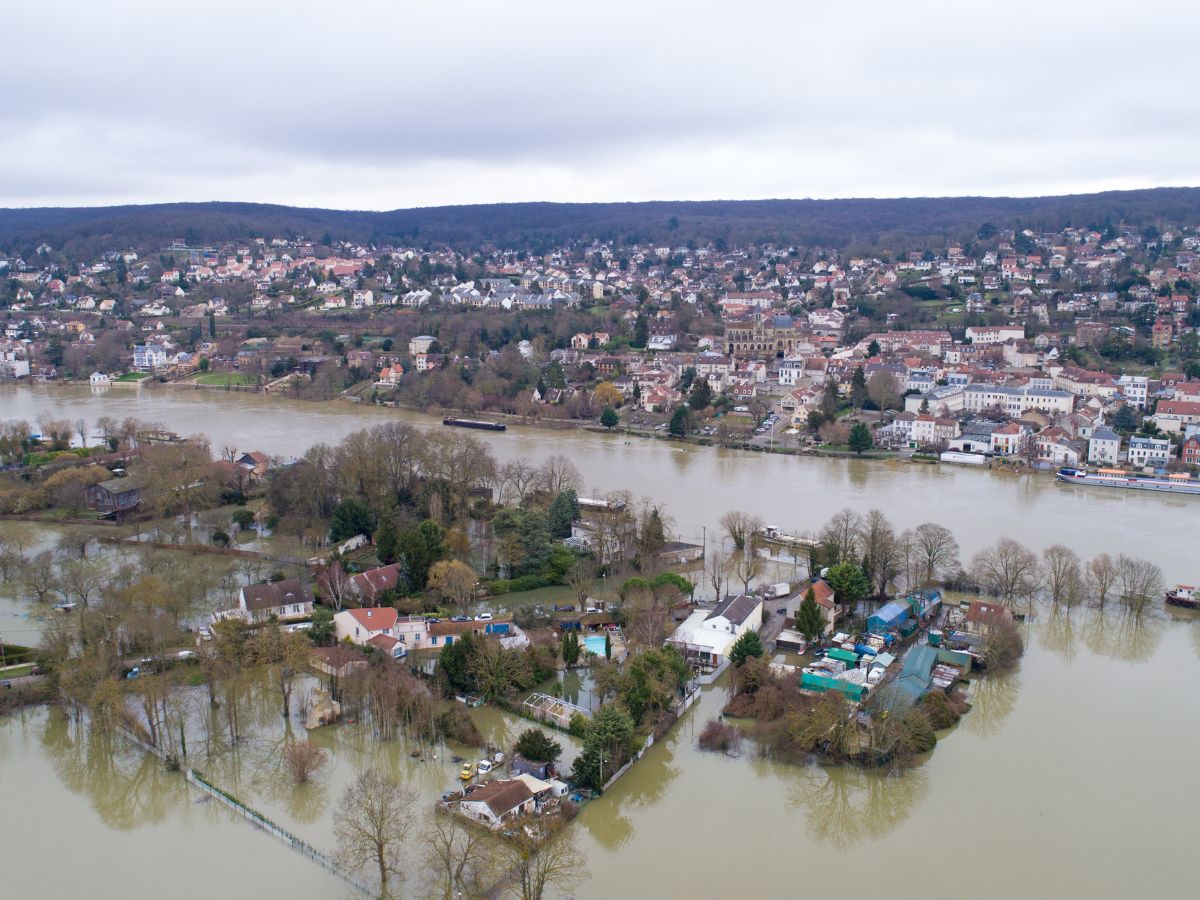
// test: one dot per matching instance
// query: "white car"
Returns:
(592, 609)
(483, 617)
(485, 766)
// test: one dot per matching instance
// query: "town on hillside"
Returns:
(1072, 348)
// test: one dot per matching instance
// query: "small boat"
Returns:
(475, 423)
(65, 606)
(1184, 595)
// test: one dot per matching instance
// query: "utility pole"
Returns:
(3, 663)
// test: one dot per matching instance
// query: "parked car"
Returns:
(467, 773)
(485, 766)
(432, 620)
(460, 618)
(483, 617)
(593, 609)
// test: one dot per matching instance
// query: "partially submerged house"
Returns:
(498, 802)
(704, 638)
(286, 600)
(117, 495)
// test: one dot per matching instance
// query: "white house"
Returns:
(286, 600)
(99, 379)
(705, 636)
(1149, 451)
(497, 802)
(1104, 446)
(1135, 388)
(361, 626)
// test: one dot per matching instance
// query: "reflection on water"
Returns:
(1119, 634)
(993, 698)
(844, 805)
(1061, 632)
(126, 787)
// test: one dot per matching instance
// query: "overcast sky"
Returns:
(380, 105)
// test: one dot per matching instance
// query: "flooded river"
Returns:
(1070, 778)
(696, 484)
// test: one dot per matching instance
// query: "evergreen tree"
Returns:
(418, 548)
(858, 388)
(701, 394)
(830, 399)
(609, 417)
(680, 422)
(873, 348)
(563, 512)
(350, 517)
(749, 644)
(570, 648)
(848, 582)
(860, 438)
(387, 541)
(809, 621)
(536, 746)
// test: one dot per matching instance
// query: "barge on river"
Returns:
(475, 423)
(1177, 483)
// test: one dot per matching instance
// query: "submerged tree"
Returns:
(370, 824)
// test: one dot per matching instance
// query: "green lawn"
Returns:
(133, 376)
(17, 671)
(221, 379)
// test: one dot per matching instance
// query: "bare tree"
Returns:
(1101, 576)
(746, 567)
(1139, 581)
(580, 577)
(841, 535)
(1062, 574)
(302, 760)
(715, 563)
(884, 389)
(453, 581)
(336, 585)
(518, 479)
(41, 578)
(459, 858)
(538, 865)
(742, 528)
(1007, 570)
(370, 824)
(936, 552)
(558, 474)
(881, 550)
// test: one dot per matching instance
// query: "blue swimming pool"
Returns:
(594, 644)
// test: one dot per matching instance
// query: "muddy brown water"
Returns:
(1071, 777)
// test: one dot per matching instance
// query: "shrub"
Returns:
(456, 724)
(1003, 648)
(302, 760)
(718, 736)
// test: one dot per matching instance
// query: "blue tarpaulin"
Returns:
(889, 616)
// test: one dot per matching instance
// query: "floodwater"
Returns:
(1071, 777)
(695, 484)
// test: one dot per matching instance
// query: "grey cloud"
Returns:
(386, 104)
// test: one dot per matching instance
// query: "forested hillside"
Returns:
(867, 225)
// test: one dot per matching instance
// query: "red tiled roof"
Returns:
(374, 618)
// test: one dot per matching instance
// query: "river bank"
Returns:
(696, 485)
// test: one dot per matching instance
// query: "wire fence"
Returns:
(253, 816)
